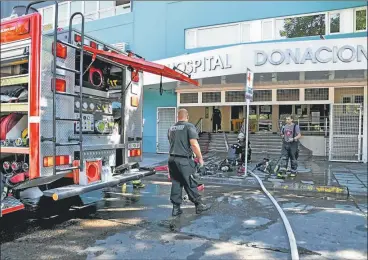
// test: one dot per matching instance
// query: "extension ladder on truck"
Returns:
(49, 165)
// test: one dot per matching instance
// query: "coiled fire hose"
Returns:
(289, 231)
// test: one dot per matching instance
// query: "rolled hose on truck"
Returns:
(292, 241)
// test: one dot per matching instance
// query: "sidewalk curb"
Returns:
(295, 187)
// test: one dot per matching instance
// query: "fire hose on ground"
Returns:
(292, 241)
(289, 230)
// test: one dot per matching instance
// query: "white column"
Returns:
(223, 97)
(331, 95)
(274, 95)
(177, 99)
(365, 126)
(200, 98)
(302, 94)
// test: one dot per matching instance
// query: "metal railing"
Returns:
(311, 127)
(199, 126)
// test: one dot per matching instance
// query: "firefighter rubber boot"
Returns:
(293, 173)
(281, 173)
(201, 207)
(176, 211)
(138, 184)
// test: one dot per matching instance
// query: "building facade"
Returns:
(309, 60)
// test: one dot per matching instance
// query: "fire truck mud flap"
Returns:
(10, 204)
(74, 190)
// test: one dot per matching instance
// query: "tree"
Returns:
(304, 26)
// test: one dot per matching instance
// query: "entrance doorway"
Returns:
(265, 118)
(166, 117)
(237, 118)
(216, 119)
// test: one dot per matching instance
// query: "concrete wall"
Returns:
(314, 143)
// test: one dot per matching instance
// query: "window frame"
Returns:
(97, 13)
(272, 29)
(355, 10)
(328, 25)
(274, 20)
(241, 31)
(218, 26)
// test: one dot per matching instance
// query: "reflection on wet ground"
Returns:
(129, 223)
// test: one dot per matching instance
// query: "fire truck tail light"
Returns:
(135, 76)
(60, 85)
(61, 50)
(134, 101)
(134, 152)
(93, 45)
(22, 27)
(60, 160)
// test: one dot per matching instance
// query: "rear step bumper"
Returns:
(9, 205)
(74, 190)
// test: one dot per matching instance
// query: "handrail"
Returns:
(226, 142)
(199, 125)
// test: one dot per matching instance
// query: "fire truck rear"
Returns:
(60, 137)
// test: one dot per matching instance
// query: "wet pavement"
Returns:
(313, 172)
(242, 224)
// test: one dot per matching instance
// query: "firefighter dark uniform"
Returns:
(182, 166)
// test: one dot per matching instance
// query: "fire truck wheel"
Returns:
(48, 208)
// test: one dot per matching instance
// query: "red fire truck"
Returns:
(59, 136)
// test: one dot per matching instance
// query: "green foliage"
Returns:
(361, 18)
(304, 26)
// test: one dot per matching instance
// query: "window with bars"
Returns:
(235, 96)
(262, 95)
(186, 98)
(211, 97)
(359, 99)
(288, 95)
(316, 94)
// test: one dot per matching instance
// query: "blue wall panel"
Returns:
(151, 101)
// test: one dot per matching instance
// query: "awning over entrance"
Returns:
(142, 65)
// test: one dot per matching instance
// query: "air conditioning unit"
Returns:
(123, 46)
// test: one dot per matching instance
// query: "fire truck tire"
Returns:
(48, 208)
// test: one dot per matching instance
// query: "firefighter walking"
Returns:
(183, 138)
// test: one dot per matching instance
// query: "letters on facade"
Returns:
(346, 53)
(208, 63)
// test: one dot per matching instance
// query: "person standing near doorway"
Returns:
(216, 119)
(290, 134)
